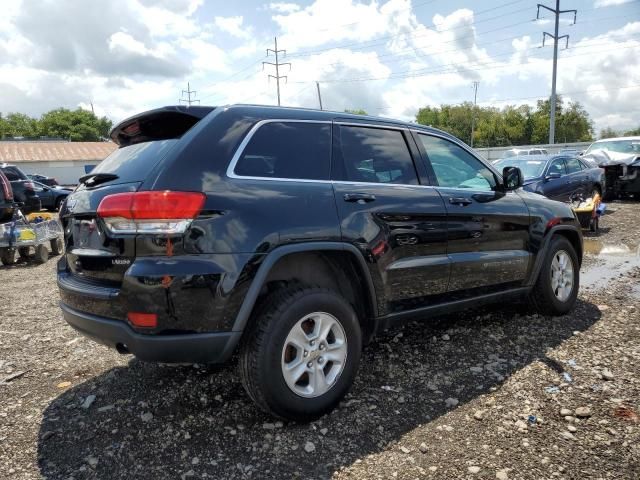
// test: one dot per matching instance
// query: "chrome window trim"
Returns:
(245, 141)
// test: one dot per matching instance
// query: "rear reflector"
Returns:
(143, 320)
(150, 212)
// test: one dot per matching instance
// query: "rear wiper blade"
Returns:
(92, 179)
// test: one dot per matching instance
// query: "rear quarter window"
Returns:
(134, 162)
(290, 150)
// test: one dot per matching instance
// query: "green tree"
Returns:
(77, 125)
(632, 133)
(20, 125)
(511, 125)
(608, 132)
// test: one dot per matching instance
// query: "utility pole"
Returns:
(473, 115)
(557, 12)
(188, 92)
(91, 103)
(319, 96)
(277, 64)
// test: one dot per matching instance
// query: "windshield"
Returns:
(529, 168)
(619, 146)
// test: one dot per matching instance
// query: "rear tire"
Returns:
(556, 289)
(42, 254)
(56, 246)
(288, 366)
(8, 256)
(58, 203)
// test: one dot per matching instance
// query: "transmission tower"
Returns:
(277, 64)
(557, 12)
(188, 92)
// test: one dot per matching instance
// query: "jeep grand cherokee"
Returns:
(292, 236)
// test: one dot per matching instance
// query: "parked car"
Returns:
(521, 152)
(49, 181)
(51, 197)
(558, 177)
(620, 158)
(23, 188)
(292, 236)
(6, 199)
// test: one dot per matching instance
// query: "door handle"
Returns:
(460, 201)
(359, 197)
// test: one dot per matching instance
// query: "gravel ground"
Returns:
(485, 394)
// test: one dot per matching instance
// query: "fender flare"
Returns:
(242, 318)
(545, 246)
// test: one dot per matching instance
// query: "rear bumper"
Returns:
(183, 348)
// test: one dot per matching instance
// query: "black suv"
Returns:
(24, 192)
(292, 236)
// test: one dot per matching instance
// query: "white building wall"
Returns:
(67, 173)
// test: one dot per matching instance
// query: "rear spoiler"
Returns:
(159, 124)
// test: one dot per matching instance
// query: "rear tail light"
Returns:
(162, 212)
(143, 320)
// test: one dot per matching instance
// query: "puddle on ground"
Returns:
(613, 260)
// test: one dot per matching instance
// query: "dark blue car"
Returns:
(559, 177)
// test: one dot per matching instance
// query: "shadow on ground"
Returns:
(202, 424)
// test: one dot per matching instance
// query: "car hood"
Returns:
(605, 158)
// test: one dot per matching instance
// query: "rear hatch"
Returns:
(96, 250)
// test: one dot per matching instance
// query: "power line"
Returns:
(277, 64)
(188, 92)
(556, 12)
(378, 41)
(481, 66)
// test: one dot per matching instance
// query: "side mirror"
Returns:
(552, 176)
(511, 178)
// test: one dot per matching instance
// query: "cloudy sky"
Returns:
(389, 57)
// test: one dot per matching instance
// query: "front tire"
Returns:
(301, 355)
(556, 289)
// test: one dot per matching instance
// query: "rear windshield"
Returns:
(13, 174)
(133, 163)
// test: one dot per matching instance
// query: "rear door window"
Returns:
(375, 155)
(289, 150)
(134, 162)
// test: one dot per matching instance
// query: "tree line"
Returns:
(75, 125)
(510, 125)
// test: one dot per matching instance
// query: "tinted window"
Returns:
(557, 166)
(13, 174)
(376, 155)
(288, 150)
(573, 165)
(455, 167)
(133, 163)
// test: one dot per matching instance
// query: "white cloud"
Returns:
(609, 3)
(283, 7)
(233, 26)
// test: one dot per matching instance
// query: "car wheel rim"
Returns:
(562, 275)
(314, 354)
